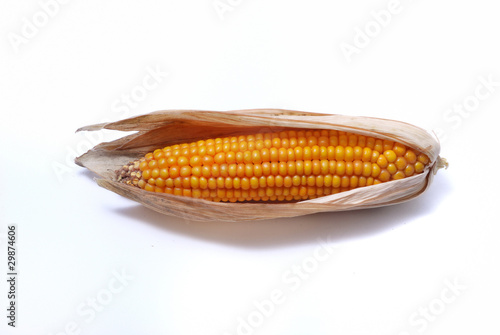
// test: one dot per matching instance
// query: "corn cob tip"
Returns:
(442, 163)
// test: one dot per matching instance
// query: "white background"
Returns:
(92, 262)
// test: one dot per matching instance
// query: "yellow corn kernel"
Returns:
(390, 156)
(391, 167)
(419, 167)
(399, 149)
(382, 161)
(400, 163)
(409, 170)
(410, 156)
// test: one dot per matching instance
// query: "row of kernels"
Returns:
(292, 138)
(338, 153)
(309, 187)
(307, 168)
(314, 167)
(250, 142)
(304, 191)
(250, 194)
(263, 181)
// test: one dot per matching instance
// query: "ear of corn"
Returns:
(258, 164)
(289, 165)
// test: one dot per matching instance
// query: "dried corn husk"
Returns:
(169, 127)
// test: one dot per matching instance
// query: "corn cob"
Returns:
(273, 163)
(291, 165)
